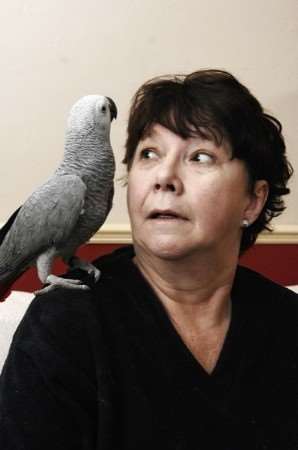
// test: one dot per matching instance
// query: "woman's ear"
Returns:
(258, 199)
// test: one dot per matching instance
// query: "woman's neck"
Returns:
(195, 290)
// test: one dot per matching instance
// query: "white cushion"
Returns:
(293, 288)
(11, 313)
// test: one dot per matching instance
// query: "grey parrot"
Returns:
(67, 209)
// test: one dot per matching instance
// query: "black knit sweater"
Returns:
(106, 370)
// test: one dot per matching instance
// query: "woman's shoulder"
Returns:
(264, 290)
(72, 309)
(76, 323)
(60, 320)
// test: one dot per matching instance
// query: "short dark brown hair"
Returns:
(214, 104)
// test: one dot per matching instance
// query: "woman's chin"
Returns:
(166, 248)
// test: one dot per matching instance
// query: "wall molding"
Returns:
(112, 234)
(281, 234)
(121, 234)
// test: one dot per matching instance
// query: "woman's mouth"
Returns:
(166, 215)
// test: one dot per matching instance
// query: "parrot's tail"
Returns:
(5, 289)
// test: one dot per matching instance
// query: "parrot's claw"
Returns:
(77, 263)
(54, 282)
(94, 272)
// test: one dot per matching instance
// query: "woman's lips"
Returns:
(166, 215)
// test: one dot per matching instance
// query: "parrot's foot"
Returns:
(54, 282)
(77, 263)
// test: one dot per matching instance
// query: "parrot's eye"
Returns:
(103, 108)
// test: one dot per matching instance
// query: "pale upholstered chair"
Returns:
(11, 312)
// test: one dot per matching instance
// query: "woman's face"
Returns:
(186, 195)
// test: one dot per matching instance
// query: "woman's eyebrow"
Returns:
(149, 138)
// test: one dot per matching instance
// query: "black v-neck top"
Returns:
(107, 370)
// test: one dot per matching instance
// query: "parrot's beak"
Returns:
(113, 108)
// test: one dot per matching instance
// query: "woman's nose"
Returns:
(168, 179)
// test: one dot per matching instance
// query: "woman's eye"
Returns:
(203, 158)
(147, 153)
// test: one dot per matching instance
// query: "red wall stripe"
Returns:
(276, 261)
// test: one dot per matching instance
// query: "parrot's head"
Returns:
(92, 113)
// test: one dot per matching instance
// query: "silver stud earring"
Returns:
(245, 223)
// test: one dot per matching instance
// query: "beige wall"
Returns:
(54, 51)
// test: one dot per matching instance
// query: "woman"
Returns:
(177, 347)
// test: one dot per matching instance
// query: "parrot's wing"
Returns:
(45, 220)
